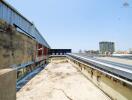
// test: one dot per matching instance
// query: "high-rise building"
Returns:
(106, 47)
(130, 51)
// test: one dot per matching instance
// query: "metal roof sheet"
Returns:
(122, 71)
(13, 17)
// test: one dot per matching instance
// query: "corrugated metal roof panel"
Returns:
(13, 17)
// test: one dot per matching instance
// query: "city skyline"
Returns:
(80, 24)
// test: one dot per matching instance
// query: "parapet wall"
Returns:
(114, 88)
(15, 47)
(7, 84)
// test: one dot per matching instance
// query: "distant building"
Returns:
(130, 51)
(106, 47)
(92, 52)
(121, 52)
(59, 51)
(80, 51)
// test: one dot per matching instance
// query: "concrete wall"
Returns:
(7, 84)
(15, 47)
(114, 88)
(58, 59)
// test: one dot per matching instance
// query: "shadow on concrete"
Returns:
(28, 77)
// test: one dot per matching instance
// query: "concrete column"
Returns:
(7, 84)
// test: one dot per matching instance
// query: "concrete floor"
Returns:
(60, 81)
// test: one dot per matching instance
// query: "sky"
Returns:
(80, 24)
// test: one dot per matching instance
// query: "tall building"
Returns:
(106, 47)
(130, 51)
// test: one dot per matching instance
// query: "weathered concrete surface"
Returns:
(113, 87)
(7, 84)
(60, 81)
(15, 47)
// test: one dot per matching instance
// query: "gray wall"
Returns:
(7, 84)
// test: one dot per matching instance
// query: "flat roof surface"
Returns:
(60, 81)
(118, 60)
